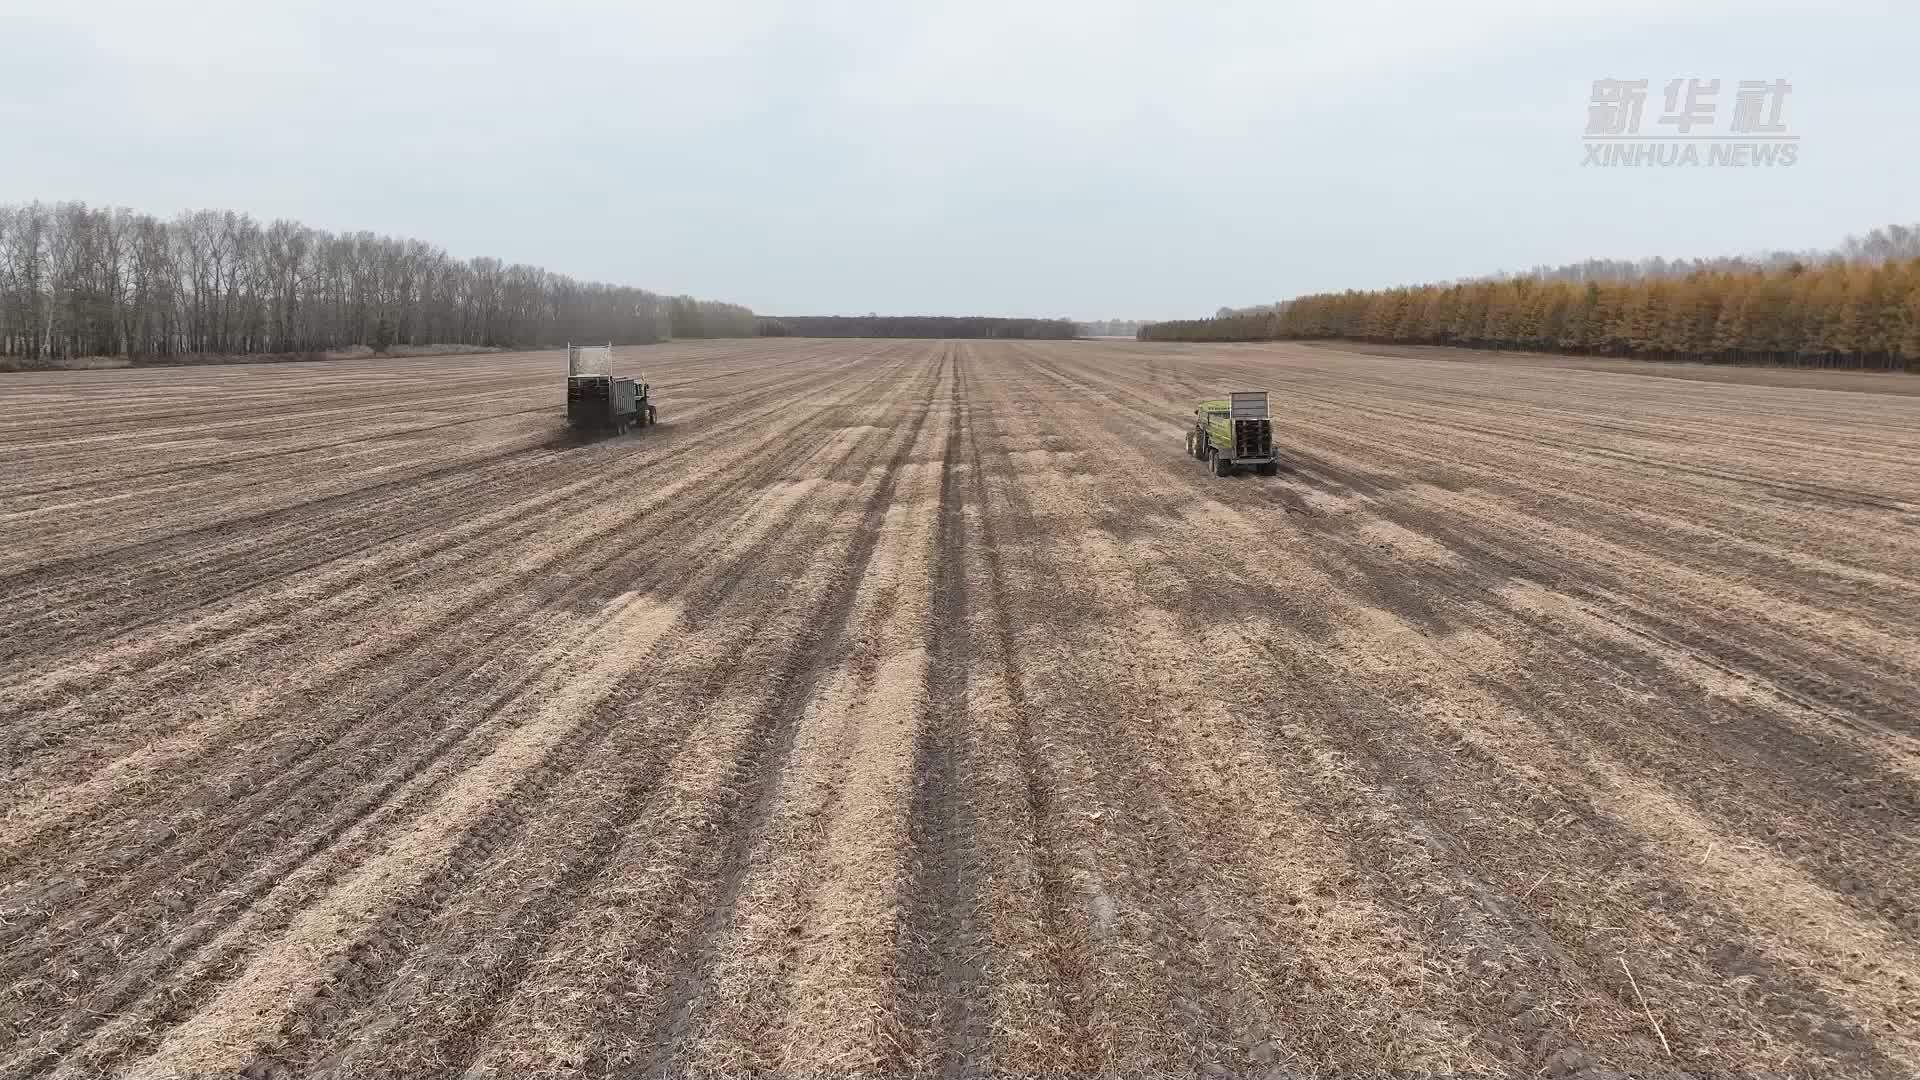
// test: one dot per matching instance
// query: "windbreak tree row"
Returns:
(1837, 314)
(82, 281)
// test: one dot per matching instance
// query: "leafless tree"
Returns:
(76, 281)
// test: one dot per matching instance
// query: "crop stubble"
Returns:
(920, 707)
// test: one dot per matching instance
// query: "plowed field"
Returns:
(920, 707)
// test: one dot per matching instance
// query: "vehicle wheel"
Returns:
(1221, 466)
(653, 417)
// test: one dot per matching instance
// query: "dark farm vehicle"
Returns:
(599, 401)
(1234, 433)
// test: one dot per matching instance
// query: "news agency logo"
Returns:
(1756, 136)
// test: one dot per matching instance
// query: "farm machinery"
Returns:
(1234, 433)
(599, 401)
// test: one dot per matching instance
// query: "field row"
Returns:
(922, 707)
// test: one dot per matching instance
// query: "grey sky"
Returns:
(1092, 159)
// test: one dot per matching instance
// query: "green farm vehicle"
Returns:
(597, 400)
(1234, 433)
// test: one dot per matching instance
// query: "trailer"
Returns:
(598, 400)
(1234, 433)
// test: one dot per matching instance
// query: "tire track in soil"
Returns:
(1871, 656)
(1147, 499)
(942, 942)
(1042, 977)
(1202, 928)
(375, 570)
(684, 819)
(770, 744)
(376, 408)
(224, 866)
(606, 556)
(117, 556)
(1101, 834)
(214, 831)
(1714, 542)
(734, 577)
(256, 456)
(1495, 547)
(109, 588)
(447, 490)
(264, 489)
(1741, 735)
(806, 979)
(1829, 779)
(1578, 737)
(1397, 765)
(327, 941)
(461, 956)
(371, 571)
(1431, 686)
(537, 914)
(1608, 898)
(430, 392)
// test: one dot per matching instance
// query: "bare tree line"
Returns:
(80, 281)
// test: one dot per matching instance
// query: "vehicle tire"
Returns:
(653, 417)
(1221, 466)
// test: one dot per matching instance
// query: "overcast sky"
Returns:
(1090, 159)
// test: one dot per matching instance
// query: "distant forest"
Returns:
(77, 281)
(1112, 327)
(914, 326)
(1855, 307)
